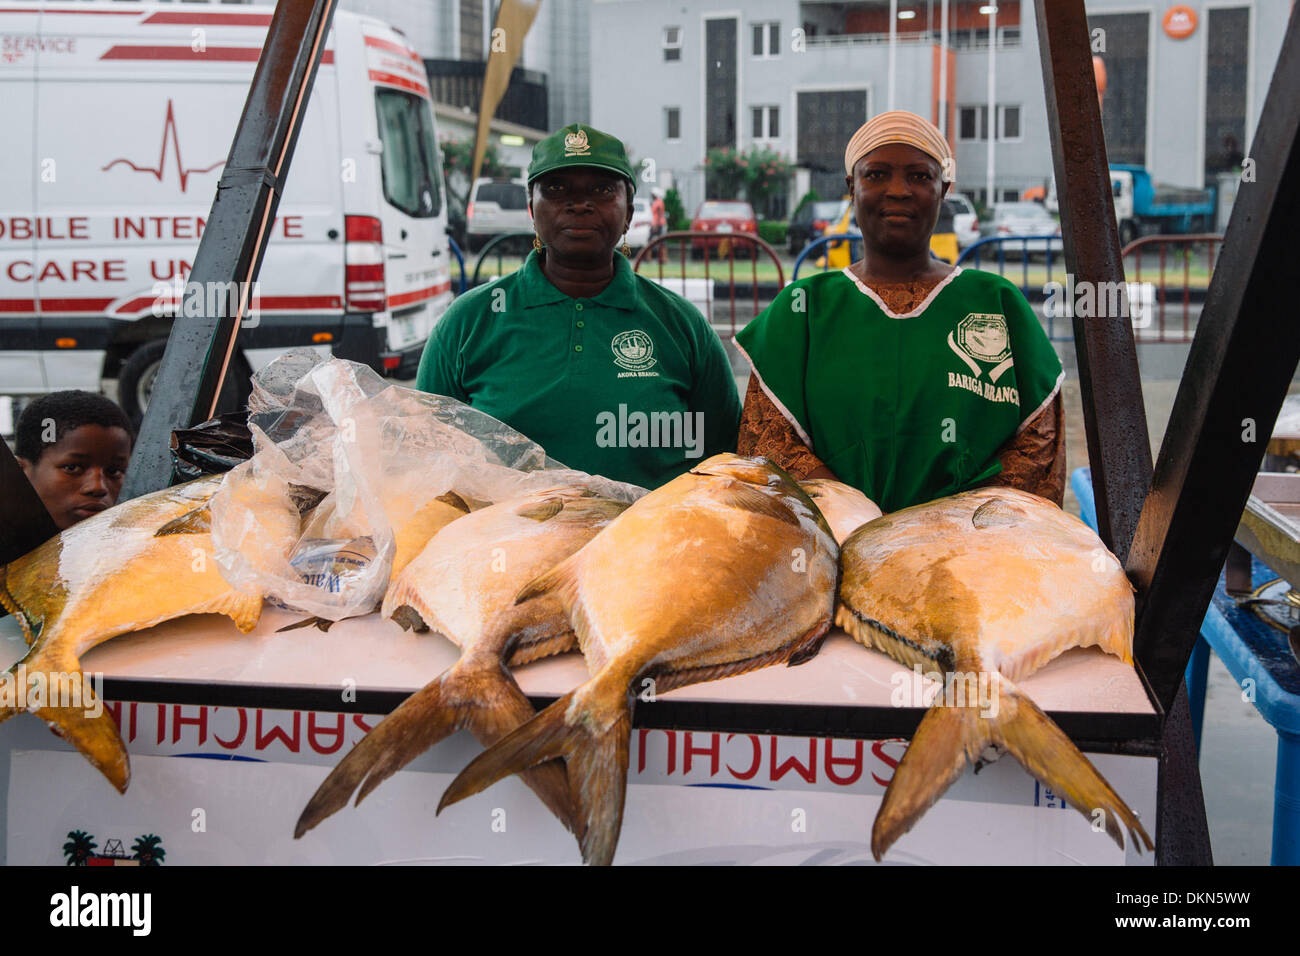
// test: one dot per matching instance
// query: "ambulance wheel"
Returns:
(136, 379)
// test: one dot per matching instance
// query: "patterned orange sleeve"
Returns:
(765, 431)
(1034, 460)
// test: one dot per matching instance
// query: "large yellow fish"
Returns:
(463, 585)
(725, 569)
(138, 564)
(986, 587)
(844, 507)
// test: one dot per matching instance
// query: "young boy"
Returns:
(74, 448)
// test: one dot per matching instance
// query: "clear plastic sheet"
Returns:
(381, 453)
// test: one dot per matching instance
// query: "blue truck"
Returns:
(1144, 206)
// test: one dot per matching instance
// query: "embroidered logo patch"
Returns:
(634, 350)
(575, 144)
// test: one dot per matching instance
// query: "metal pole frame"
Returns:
(1240, 365)
(201, 344)
(1111, 387)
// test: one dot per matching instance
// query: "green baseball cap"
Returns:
(579, 145)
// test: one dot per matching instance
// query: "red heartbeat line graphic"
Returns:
(169, 131)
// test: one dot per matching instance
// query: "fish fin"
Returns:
(483, 698)
(96, 737)
(542, 510)
(198, 521)
(304, 497)
(589, 727)
(997, 512)
(455, 500)
(748, 498)
(950, 737)
(560, 580)
(806, 648)
(320, 623)
(244, 609)
(403, 604)
(10, 604)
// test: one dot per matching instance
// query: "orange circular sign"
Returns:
(1180, 21)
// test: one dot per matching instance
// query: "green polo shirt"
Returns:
(631, 384)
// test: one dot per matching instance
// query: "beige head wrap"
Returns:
(900, 126)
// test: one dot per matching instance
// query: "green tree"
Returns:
(457, 164)
(675, 212)
(148, 850)
(79, 848)
(766, 174)
(724, 174)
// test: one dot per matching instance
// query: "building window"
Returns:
(765, 122)
(672, 122)
(767, 39)
(973, 123)
(1010, 123)
(672, 43)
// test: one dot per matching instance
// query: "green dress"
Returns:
(906, 408)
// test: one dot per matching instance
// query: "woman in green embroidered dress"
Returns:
(900, 375)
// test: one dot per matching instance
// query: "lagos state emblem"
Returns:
(575, 144)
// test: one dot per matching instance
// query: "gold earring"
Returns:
(537, 243)
(626, 249)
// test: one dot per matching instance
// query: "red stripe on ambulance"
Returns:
(402, 82)
(228, 54)
(419, 295)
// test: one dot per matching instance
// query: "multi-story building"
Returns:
(1184, 83)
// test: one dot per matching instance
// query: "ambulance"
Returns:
(118, 120)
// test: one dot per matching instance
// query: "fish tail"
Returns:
(478, 695)
(949, 737)
(86, 724)
(590, 728)
(10, 604)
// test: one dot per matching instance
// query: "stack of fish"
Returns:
(730, 567)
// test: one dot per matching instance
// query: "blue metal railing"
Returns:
(460, 261)
(855, 244)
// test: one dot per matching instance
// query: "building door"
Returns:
(827, 120)
(720, 83)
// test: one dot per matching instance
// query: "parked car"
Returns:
(1015, 219)
(943, 244)
(723, 217)
(965, 223)
(810, 222)
(496, 206)
(638, 234)
(96, 260)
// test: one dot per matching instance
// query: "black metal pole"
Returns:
(202, 342)
(1238, 369)
(1119, 448)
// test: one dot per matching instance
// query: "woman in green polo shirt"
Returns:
(901, 375)
(609, 372)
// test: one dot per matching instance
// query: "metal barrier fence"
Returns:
(512, 245)
(823, 243)
(1194, 257)
(698, 289)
